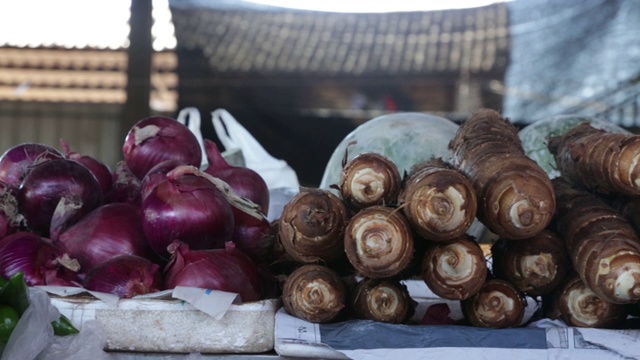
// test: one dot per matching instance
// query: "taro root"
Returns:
(384, 300)
(312, 226)
(439, 201)
(535, 266)
(314, 293)
(456, 269)
(369, 179)
(515, 195)
(577, 305)
(602, 245)
(497, 305)
(598, 160)
(379, 242)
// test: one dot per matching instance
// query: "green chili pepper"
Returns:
(63, 326)
(8, 320)
(15, 293)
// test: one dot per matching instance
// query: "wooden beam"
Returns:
(139, 66)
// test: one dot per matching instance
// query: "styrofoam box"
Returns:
(175, 326)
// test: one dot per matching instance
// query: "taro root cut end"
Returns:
(577, 305)
(497, 305)
(314, 293)
(370, 179)
(384, 300)
(439, 201)
(535, 266)
(454, 270)
(312, 225)
(379, 242)
(519, 205)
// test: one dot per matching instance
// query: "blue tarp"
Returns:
(577, 57)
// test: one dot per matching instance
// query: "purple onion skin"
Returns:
(254, 237)
(125, 276)
(106, 232)
(100, 170)
(125, 187)
(48, 182)
(227, 269)
(17, 160)
(156, 175)
(169, 140)
(244, 181)
(37, 258)
(188, 208)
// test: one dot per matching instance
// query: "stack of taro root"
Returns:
(568, 242)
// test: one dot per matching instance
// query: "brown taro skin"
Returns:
(603, 246)
(535, 266)
(598, 160)
(314, 293)
(515, 195)
(312, 225)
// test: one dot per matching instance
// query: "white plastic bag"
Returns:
(190, 117)
(275, 172)
(88, 344)
(34, 332)
(33, 337)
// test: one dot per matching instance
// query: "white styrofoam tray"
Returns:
(174, 325)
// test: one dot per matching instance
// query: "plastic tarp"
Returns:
(572, 57)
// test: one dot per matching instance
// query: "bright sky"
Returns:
(78, 23)
(104, 23)
(374, 5)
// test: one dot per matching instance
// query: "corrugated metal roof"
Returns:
(81, 75)
(472, 40)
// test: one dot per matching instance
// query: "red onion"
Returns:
(255, 237)
(125, 186)
(227, 269)
(10, 220)
(108, 231)
(100, 170)
(244, 181)
(125, 276)
(158, 138)
(156, 175)
(57, 193)
(42, 262)
(189, 208)
(17, 160)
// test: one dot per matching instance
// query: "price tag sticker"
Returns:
(292, 328)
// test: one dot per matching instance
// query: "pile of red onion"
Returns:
(152, 222)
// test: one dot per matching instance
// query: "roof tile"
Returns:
(288, 41)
